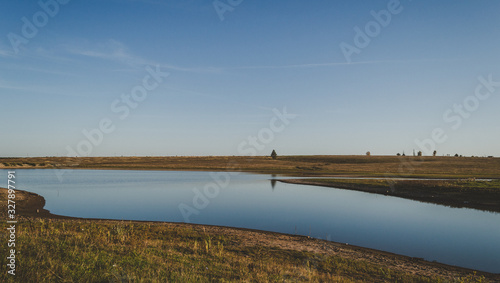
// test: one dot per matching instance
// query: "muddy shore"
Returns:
(430, 191)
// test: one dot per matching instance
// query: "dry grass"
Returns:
(432, 167)
(57, 250)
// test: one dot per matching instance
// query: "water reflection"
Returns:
(273, 184)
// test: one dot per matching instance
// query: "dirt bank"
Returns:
(482, 195)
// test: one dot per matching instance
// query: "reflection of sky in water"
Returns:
(463, 237)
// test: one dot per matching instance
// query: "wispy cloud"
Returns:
(329, 64)
(25, 68)
(36, 89)
(116, 51)
(4, 53)
(299, 66)
(112, 50)
(53, 55)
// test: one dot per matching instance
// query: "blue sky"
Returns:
(226, 77)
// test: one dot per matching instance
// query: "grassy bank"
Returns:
(318, 165)
(105, 251)
(484, 195)
(80, 250)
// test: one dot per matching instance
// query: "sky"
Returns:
(241, 77)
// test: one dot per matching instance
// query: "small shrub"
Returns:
(274, 154)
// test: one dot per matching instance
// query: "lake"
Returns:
(462, 237)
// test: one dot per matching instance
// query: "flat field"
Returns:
(310, 165)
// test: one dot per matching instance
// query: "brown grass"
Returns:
(431, 167)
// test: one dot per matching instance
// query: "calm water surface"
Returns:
(463, 237)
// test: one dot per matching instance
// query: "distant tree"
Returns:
(273, 154)
(404, 153)
(456, 154)
(420, 153)
(434, 153)
(398, 154)
(368, 153)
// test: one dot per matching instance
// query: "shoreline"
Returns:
(411, 190)
(313, 165)
(478, 199)
(31, 206)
